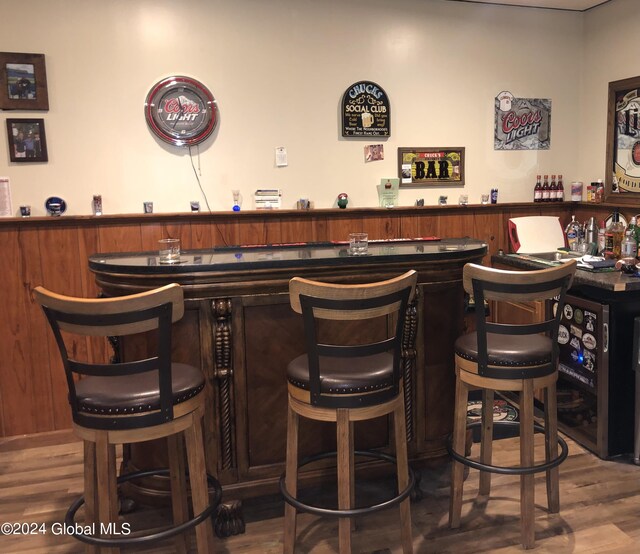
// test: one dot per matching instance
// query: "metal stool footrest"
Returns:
(564, 451)
(75, 529)
(317, 510)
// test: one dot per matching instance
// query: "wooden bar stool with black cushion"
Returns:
(133, 401)
(344, 383)
(510, 357)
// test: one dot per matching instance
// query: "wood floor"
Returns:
(600, 508)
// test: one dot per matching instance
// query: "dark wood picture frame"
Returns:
(419, 167)
(23, 82)
(27, 140)
(623, 126)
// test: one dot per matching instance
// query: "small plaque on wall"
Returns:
(365, 111)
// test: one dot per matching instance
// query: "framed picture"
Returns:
(27, 141)
(419, 167)
(622, 174)
(23, 82)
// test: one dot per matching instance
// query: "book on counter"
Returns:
(268, 199)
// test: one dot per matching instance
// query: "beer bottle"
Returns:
(553, 190)
(560, 189)
(545, 189)
(537, 191)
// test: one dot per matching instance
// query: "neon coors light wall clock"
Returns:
(181, 111)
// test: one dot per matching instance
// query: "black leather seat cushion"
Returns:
(136, 393)
(345, 375)
(507, 350)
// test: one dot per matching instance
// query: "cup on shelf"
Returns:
(169, 251)
(358, 244)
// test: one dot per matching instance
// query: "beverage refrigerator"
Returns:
(596, 383)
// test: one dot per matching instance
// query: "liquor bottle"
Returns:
(537, 191)
(614, 235)
(545, 189)
(629, 248)
(633, 227)
(560, 195)
(553, 190)
(572, 231)
(601, 238)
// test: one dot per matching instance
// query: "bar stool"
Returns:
(510, 357)
(133, 401)
(341, 382)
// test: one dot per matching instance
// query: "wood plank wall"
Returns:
(53, 252)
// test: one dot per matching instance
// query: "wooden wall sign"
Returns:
(365, 111)
(430, 166)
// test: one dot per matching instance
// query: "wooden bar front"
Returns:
(240, 330)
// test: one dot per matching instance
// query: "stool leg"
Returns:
(344, 441)
(291, 481)
(90, 496)
(178, 489)
(527, 498)
(458, 445)
(352, 475)
(400, 431)
(551, 447)
(198, 480)
(106, 486)
(486, 444)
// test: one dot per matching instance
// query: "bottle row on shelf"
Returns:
(612, 240)
(545, 192)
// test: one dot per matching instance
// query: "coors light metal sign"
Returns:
(522, 123)
(365, 111)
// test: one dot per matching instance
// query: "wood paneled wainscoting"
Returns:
(53, 252)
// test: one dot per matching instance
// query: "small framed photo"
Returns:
(27, 140)
(23, 82)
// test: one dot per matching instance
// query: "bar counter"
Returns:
(240, 330)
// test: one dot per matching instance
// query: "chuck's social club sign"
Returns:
(522, 123)
(365, 111)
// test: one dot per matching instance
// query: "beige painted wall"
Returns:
(278, 70)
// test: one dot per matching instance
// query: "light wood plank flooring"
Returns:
(600, 508)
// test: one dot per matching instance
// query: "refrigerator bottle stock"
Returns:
(545, 189)
(553, 190)
(537, 191)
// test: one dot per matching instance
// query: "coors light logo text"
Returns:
(181, 108)
(517, 126)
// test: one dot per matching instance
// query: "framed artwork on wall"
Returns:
(622, 173)
(431, 166)
(27, 140)
(23, 82)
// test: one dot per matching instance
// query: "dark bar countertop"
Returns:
(612, 281)
(255, 257)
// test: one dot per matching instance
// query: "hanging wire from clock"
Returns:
(198, 173)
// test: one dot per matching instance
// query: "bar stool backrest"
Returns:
(486, 283)
(116, 317)
(329, 301)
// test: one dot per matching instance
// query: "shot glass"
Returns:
(195, 205)
(148, 207)
(485, 199)
(358, 244)
(25, 211)
(169, 250)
